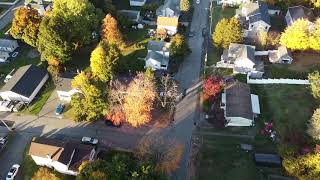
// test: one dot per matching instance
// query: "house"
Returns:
(282, 55)
(64, 156)
(241, 58)
(4, 56)
(232, 2)
(40, 5)
(134, 16)
(158, 55)
(298, 12)
(8, 45)
(170, 8)
(170, 24)
(273, 10)
(137, 2)
(24, 84)
(254, 18)
(240, 107)
(63, 87)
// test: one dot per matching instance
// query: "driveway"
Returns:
(49, 108)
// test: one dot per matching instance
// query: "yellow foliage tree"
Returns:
(315, 36)
(44, 174)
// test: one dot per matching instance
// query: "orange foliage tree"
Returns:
(110, 32)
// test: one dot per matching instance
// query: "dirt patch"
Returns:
(305, 62)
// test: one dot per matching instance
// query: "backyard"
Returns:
(4, 30)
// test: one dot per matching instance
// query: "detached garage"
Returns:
(24, 84)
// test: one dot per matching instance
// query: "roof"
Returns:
(255, 104)
(64, 82)
(255, 11)
(133, 15)
(25, 80)
(158, 46)
(61, 151)
(242, 51)
(7, 42)
(162, 58)
(298, 12)
(238, 100)
(173, 5)
(167, 21)
(4, 54)
(283, 52)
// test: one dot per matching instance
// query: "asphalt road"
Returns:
(9, 16)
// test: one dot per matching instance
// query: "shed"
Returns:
(269, 160)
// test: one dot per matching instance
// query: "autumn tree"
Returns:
(44, 173)
(227, 31)
(184, 5)
(25, 25)
(165, 155)
(179, 46)
(169, 91)
(110, 32)
(161, 33)
(296, 36)
(262, 38)
(315, 36)
(90, 104)
(314, 126)
(314, 79)
(102, 61)
(139, 100)
(316, 3)
(212, 86)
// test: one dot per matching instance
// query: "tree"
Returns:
(296, 36)
(110, 32)
(102, 61)
(314, 79)
(227, 31)
(164, 155)
(262, 37)
(67, 27)
(314, 127)
(25, 25)
(303, 167)
(139, 100)
(44, 173)
(169, 91)
(315, 36)
(185, 5)
(105, 5)
(179, 46)
(316, 3)
(212, 86)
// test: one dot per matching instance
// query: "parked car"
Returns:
(18, 107)
(191, 33)
(108, 122)
(59, 109)
(3, 140)
(13, 172)
(198, 1)
(89, 140)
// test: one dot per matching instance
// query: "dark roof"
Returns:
(25, 80)
(267, 159)
(238, 100)
(64, 81)
(298, 12)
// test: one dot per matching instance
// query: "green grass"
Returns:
(42, 98)
(288, 106)
(218, 13)
(7, 0)
(4, 29)
(283, 71)
(221, 158)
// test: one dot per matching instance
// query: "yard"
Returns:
(4, 29)
(221, 158)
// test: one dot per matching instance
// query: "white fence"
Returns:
(278, 81)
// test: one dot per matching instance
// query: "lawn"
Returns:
(288, 106)
(221, 158)
(217, 14)
(4, 29)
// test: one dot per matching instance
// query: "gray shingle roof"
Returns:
(64, 82)
(298, 12)
(25, 80)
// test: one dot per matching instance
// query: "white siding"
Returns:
(12, 96)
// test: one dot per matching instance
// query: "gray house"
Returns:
(170, 8)
(158, 55)
(298, 12)
(254, 18)
(282, 55)
(241, 58)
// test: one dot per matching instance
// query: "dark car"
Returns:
(108, 122)
(59, 109)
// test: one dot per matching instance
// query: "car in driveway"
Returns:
(59, 109)
(13, 172)
(108, 122)
(89, 140)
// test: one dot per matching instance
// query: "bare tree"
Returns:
(169, 92)
(117, 93)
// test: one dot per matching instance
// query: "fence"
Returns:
(278, 81)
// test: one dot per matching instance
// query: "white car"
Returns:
(13, 172)
(197, 1)
(89, 140)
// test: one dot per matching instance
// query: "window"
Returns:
(162, 65)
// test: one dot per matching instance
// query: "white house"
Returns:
(8, 45)
(170, 24)
(24, 84)
(137, 2)
(170, 8)
(63, 87)
(254, 18)
(158, 55)
(241, 58)
(282, 55)
(64, 157)
(4, 56)
(231, 2)
(298, 12)
(240, 107)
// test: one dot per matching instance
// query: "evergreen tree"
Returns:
(110, 32)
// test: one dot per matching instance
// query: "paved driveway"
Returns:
(48, 110)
